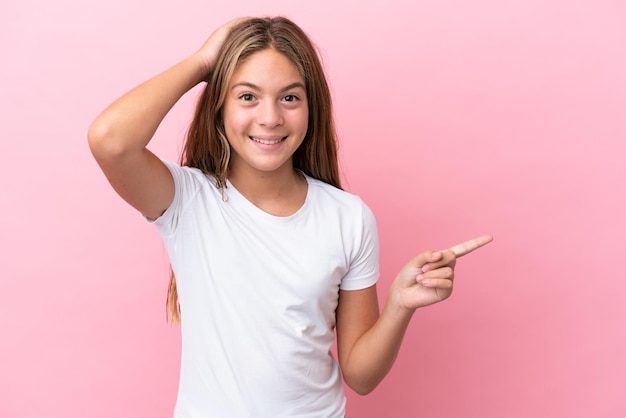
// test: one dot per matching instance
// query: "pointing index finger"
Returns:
(468, 246)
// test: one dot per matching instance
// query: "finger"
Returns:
(439, 259)
(435, 256)
(236, 21)
(437, 283)
(424, 258)
(446, 273)
(468, 246)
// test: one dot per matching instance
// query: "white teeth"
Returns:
(266, 141)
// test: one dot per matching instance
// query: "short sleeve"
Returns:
(364, 263)
(187, 183)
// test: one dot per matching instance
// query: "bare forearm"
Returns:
(375, 352)
(131, 121)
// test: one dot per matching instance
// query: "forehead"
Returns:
(267, 67)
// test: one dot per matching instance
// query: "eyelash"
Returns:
(247, 97)
(295, 98)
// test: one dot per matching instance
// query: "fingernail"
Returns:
(425, 268)
(425, 282)
(437, 254)
(419, 278)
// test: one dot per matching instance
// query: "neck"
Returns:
(281, 192)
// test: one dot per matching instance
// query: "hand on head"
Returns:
(211, 47)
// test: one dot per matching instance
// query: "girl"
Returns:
(269, 255)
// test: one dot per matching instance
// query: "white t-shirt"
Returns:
(258, 295)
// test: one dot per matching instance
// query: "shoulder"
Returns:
(341, 198)
(348, 206)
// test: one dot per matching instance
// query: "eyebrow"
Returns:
(253, 86)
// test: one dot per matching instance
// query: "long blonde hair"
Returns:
(206, 146)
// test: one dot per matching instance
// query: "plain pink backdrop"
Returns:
(456, 119)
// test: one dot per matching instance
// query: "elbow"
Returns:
(362, 377)
(364, 391)
(361, 389)
(361, 386)
(98, 137)
(103, 142)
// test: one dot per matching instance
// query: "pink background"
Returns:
(456, 119)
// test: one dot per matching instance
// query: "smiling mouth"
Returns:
(268, 141)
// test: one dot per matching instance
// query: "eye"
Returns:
(246, 97)
(291, 98)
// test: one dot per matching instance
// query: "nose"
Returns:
(270, 115)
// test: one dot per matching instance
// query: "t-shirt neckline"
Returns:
(242, 202)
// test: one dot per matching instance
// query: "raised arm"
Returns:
(119, 135)
(367, 343)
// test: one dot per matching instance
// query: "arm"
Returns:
(368, 343)
(119, 135)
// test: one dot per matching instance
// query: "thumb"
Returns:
(424, 258)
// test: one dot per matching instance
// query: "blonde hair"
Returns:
(206, 146)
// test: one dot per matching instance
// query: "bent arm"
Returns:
(367, 343)
(119, 135)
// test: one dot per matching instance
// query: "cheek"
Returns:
(303, 119)
(234, 121)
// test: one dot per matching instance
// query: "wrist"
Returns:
(394, 307)
(198, 68)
